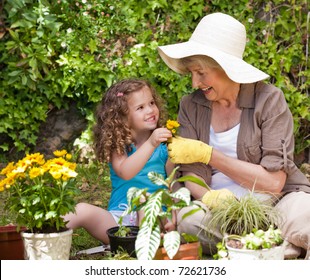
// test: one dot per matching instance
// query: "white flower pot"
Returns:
(47, 246)
(275, 253)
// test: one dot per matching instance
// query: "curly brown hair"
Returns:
(111, 132)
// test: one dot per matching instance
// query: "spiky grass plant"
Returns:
(240, 216)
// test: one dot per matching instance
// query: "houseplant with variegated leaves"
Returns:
(157, 207)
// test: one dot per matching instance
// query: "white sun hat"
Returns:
(220, 37)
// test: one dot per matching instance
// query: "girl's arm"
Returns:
(169, 166)
(127, 167)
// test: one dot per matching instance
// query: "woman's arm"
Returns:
(248, 175)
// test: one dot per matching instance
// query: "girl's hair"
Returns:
(111, 132)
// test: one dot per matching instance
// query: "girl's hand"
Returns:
(160, 135)
(169, 226)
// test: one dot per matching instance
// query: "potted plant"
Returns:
(257, 245)
(247, 224)
(157, 207)
(40, 192)
(11, 243)
(123, 238)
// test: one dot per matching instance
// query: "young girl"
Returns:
(129, 137)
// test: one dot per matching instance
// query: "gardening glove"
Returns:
(184, 150)
(215, 198)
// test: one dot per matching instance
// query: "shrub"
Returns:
(56, 52)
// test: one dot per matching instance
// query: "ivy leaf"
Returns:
(92, 46)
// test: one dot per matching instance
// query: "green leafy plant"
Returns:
(243, 215)
(157, 207)
(40, 191)
(54, 53)
(247, 222)
(122, 231)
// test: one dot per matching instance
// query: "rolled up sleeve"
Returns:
(277, 135)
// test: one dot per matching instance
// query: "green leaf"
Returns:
(194, 180)
(133, 200)
(50, 214)
(14, 35)
(15, 73)
(38, 215)
(191, 212)
(169, 180)
(172, 243)
(92, 45)
(189, 237)
(183, 194)
(157, 179)
(153, 207)
(54, 201)
(147, 242)
(36, 200)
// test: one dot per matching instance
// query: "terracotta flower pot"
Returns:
(187, 251)
(11, 243)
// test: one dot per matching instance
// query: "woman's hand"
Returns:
(184, 150)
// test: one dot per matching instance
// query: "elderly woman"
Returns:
(236, 131)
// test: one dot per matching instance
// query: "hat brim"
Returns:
(236, 68)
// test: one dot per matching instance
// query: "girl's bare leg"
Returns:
(94, 219)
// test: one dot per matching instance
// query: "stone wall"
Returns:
(60, 130)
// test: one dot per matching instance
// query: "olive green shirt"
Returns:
(265, 135)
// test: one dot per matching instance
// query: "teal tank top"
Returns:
(156, 163)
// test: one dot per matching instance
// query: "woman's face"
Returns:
(143, 113)
(214, 82)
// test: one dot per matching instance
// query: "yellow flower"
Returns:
(60, 153)
(33, 176)
(35, 172)
(68, 156)
(7, 169)
(6, 184)
(55, 173)
(172, 126)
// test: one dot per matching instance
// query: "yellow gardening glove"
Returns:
(215, 198)
(184, 150)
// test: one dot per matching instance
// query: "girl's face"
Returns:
(143, 113)
(212, 81)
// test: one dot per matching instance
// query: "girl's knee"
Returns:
(81, 207)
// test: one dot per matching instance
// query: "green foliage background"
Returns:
(56, 52)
